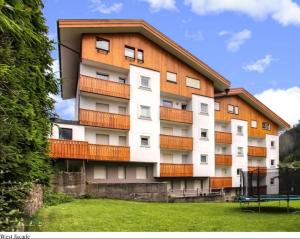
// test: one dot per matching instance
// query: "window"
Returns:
(122, 140)
(184, 158)
(240, 151)
(203, 158)
(65, 133)
(272, 144)
(168, 103)
(100, 172)
(102, 76)
(183, 106)
(272, 181)
(240, 130)
(238, 171)
(141, 172)
(203, 108)
(224, 171)
(217, 106)
(121, 172)
(129, 52)
(190, 82)
(184, 132)
(236, 110)
(122, 110)
(172, 77)
(102, 44)
(266, 125)
(102, 107)
(140, 55)
(204, 133)
(230, 109)
(168, 130)
(102, 139)
(122, 80)
(168, 158)
(145, 112)
(224, 149)
(145, 82)
(145, 141)
(253, 124)
(272, 162)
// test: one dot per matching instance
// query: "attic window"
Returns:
(129, 52)
(266, 125)
(102, 45)
(140, 56)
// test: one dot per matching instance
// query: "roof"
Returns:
(253, 101)
(69, 38)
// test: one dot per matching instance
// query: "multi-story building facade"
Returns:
(148, 110)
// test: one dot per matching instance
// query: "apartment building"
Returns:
(147, 110)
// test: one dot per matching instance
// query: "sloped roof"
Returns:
(253, 101)
(69, 35)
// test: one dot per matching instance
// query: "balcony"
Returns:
(176, 170)
(104, 87)
(223, 137)
(220, 182)
(72, 149)
(223, 160)
(176, 115)
(257, 169)
(176, 142)
(104, 119)
(257, 151)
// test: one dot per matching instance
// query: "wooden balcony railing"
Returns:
(176, 115)
(257, 151)
(176, 170)
(223, 137)
(255, 169)
(104, 119)
(176, 142)
(72, 149)
(104, 87)
(220, 182)
(223, 160)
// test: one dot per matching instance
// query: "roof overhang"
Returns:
(69, 38)
(255, 103)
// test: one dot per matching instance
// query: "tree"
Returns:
(26, 80)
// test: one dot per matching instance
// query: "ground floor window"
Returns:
(100, 172)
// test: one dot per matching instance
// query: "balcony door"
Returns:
(102, 139)
(168, 130)
(102, 107)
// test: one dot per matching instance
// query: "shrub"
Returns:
(52, 198)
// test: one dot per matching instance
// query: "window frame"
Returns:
(187, 78)
(60, 129)
(99, 49)
(242, 151)
(240, 132)
(252, 121)
(172, 73)
(201, 109)
(149, 83)
(142, 52)
(268, 123)
(236, 110)
(202, 130)
(141, 116)
(206, 158)
(273, 144)
(230, 112)
(98, 73)
(146, 137)
(217, 103)
(131, 48)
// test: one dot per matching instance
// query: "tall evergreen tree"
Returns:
(26, 80)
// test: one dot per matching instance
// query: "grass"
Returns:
(116, 215)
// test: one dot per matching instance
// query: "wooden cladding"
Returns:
(104, 119)
(223, 160)
(257, 151)
(104, 87)
(176, 142)
(176, 170)
(71, 149)
(223, 137)
(255, 170)
(220, 182)
(176, 115)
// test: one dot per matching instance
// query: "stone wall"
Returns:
(33, 201)
(152, 192)
(72, 183)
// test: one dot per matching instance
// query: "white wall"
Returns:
(239, 141)
(272, 153)
(202, 146)
(91, 71)
(141, 127)
(78, 131)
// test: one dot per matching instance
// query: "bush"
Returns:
(51, 198)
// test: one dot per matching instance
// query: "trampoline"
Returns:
(280, 184)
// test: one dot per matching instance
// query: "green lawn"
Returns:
(117, 215)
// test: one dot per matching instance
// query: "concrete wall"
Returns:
(34, 200)
(78, 131)
(72, 183)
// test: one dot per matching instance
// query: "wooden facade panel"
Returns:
(220, 182)
(176, 115)
(104, 87)
(257, 151)
(104, 119)
(255, 170)
(71, 149)
(155, 58)
(247, 113)
(176, 142)
(223, 160)
(176, 170)
(223, 137)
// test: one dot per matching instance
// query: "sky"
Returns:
(253, 43)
